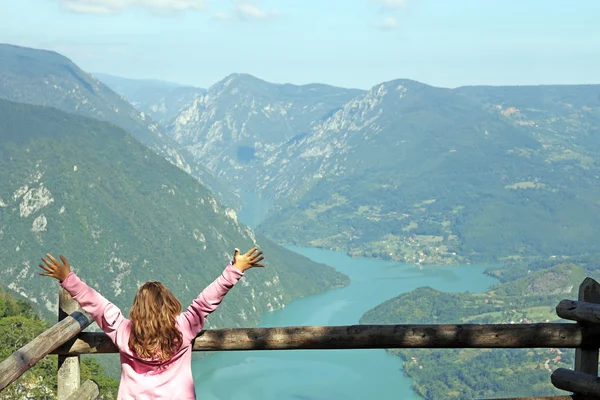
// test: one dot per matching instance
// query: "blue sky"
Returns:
(351, 43)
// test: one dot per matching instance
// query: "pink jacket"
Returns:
(143, 379)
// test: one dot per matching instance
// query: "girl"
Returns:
(155, 344)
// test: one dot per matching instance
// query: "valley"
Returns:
(407, 171)
(404, 203)
(71, 183)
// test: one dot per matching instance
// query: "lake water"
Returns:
(331, 374)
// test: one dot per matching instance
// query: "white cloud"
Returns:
(388, 24)
(244, 10)
(391, 4)
(108, 7)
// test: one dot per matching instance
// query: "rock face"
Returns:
(243, 127)
(124, 215)
(408, 171)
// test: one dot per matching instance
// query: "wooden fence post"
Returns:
(586, 359)
(89, 390)
(68, 366)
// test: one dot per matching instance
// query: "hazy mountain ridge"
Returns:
(162, 101)
(47, 78)
(409, 171)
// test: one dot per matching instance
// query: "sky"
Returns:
(349, 43)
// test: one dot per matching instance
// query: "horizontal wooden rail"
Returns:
(67, 340)
(562, 335)
(27, 356)
(579, 311)
(575, 381)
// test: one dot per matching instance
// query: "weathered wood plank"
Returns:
(565, 335)
(68, 375)
(577, 382)
(586, 358)
(27, 356)
(579, 311)
(88, 391)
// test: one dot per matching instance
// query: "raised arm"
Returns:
(106, 314)
(192, 320)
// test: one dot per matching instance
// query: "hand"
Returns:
(54, 268)
(248, 260)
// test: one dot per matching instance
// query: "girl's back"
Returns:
(156, 328)
(143, 379)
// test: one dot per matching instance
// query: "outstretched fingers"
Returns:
(45, 268)
(49, 264)
(48, 267)
(53, 268)
(64, 259)
(252, 250)
(259, 259)
(256, 258)
(54, 260)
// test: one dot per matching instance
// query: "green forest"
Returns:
(19, 324)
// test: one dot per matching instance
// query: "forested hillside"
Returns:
(408, 171)
(124, 215)
(486, 373)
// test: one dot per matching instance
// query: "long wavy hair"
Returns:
(153, 314)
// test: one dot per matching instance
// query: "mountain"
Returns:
(46, 78)
(407, 171)
(162, 101)
(481, 373)
(240, 127)
(422, 174)
(123, 215)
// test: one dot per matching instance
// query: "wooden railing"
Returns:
(67, 341)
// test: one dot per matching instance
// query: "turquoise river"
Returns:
(331, 374)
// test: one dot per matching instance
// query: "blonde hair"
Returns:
(153, 317)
